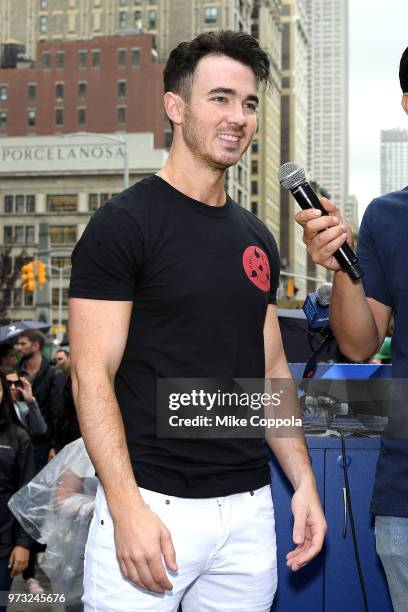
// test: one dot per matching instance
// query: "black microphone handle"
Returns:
(306, 198)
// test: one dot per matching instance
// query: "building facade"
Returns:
(394, 160)
(327, 25)
(105, 84)
(58, 181)
(294, 132)
(265, 155)
(167, 21)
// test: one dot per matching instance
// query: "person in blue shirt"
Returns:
(359, 314)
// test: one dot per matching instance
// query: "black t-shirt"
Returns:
(199, 296)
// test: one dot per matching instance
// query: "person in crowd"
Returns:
(61, 356)
(360, 313)
(47, 386)
(69, 430)
(25, 403)
(17, 467)
(8, 357)
(171, 278)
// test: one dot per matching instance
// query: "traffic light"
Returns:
(28, 276)
(41, 273)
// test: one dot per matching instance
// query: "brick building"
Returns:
(105, 84)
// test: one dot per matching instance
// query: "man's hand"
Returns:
(141, 540)
(309, 527)
(18, 560)
(324, 234)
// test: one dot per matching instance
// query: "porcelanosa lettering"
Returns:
(62, 153)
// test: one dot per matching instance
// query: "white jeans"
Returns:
(225, 550)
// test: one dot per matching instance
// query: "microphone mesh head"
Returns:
(291, 175)
(323, 294)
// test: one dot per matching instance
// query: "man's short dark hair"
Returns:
(403, 71)
(62, 350)
(34, 335)
(182, 62)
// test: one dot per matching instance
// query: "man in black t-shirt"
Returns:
(172, 279)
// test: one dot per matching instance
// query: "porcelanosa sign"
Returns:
(82, 156)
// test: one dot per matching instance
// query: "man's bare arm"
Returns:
(98, 334)
(309, 522)
(359, 323)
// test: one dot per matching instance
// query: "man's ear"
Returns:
(173, 105)
(404, 102)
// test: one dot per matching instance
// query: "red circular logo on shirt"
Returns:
(256, 266)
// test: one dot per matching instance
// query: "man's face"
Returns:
(60, 357)
(219, 120)
(26, 347)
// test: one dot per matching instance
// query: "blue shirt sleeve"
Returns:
(371, 257)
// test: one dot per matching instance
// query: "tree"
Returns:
(8, 278)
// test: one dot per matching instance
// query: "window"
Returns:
(20, 208)
(122, 57)
(137, 2)
(122, 89)
(121, 114)
(46, 59)
(8, 234)
(254, 146)
(95, 200)
(61, 262)
(62, 203)
(43, 23)
(137, 20)
(82, 58)
(56, 296)
(59, 91)
(81, 116)
(3, 119)
(43, 4)
(30, 234)
(59, 56)
(3, 92)
(59, 116)
(135, 56)
(8, 204)
(123, 2)
(31, 116)
(254, 166)
(254, 207)
(254, 187)
(210, 14)
(82, 90)
(96, 58)
(151, 23)
(63, 234)
(123, 20)
(30, 203)
(19, 234)
(31, 91)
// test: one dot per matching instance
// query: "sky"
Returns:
(378, 36)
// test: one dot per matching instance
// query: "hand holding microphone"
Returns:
(324, 232)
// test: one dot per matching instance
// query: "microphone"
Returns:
(316, 306)
(292, 177)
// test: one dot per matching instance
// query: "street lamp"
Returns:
(119, 139)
